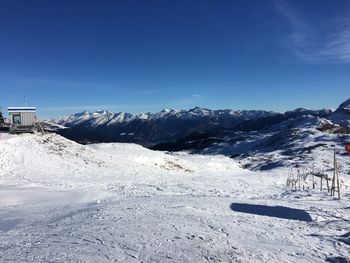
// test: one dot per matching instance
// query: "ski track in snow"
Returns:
(61, 201)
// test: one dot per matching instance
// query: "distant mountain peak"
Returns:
(342, 115)
(166, 110)
(345, 106)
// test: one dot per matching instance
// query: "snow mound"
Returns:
(38, 158)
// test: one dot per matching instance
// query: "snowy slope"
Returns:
(61, 201)
(295, 141)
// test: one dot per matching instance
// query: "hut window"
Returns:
(17, 119)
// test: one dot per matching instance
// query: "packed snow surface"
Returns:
(61, 201)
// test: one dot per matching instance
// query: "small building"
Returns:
(4, 126)
(22, 118)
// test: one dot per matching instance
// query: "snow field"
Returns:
(61, 201)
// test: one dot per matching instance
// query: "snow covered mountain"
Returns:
(287, 143)
(288, 139)
(260, 140)
(169, 125)
(342, 114)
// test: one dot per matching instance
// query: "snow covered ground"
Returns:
(61, 201)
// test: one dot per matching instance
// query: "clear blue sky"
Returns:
(139, 56)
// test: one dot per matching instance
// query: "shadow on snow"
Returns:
(272, 211)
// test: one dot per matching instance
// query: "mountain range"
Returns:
(259, 139)
(169, 125)
(150, 129)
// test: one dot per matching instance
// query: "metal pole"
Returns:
(333, 179)
(337, 172)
